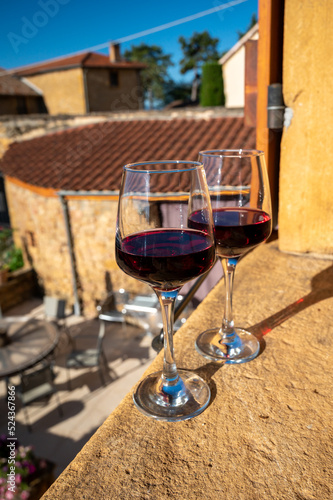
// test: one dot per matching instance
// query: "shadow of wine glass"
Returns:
(206, 372)
(322, 288)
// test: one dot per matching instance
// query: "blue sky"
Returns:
(37, 30)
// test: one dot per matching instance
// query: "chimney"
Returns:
(115, 52)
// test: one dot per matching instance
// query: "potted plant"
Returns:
(10, 256)
(22, 475)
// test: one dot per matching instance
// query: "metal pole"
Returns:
(62, 194)
(77, 307)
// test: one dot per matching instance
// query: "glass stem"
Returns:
(227, 331)
(167, 302)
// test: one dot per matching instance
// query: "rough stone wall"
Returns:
(24, 127)
(63, 91)
(93, 226)
(104, 97)
(306, 173)
(39, 230)
(4, 144)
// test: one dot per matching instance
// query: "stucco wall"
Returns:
(233, 71)
(234, 80)
(105, 97)
(63, 90)
(306, 171)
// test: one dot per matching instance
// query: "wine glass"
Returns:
(240, 199)
(155, 244)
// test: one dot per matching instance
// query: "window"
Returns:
(114, 81)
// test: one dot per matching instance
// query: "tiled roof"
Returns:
(92, 157)
(84, 60)
(12, 85)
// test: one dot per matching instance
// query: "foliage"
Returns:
(27, 469)
(197, 50)
(177, 92)
(10, 256)
(155, 77)
(253, 21)
(211, 93)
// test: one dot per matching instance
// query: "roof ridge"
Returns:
(86, 56)
(59, 59)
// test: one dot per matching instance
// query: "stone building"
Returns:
(18, 96)
(88, 82)
(62, 191)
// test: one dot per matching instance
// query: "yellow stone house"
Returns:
(87, 82)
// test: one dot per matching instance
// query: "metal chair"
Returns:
(55, 310)
(88, 358)
(111, 309)
(37, 383)
(144, 310)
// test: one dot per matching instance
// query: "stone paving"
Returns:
(88, 404)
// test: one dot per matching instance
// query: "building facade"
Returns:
(18, 96)
(72, 178)
(233, 70)
(87, 83)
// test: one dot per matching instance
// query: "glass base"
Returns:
(244, 348)
(185, 397)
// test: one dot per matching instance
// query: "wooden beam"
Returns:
(270, 46)
(251, 82)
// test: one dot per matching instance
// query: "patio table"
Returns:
(24, 345)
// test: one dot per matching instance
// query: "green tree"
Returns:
(177, 92)
(155, 77)
(197, 50)
(211, 92)
(253, 21)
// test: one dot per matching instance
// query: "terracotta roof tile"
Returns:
(92, 157)
(83, 60)
(14, 86)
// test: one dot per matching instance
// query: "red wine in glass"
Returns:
(237, 230)
(166, 258)
(156, 245)
(240, 198)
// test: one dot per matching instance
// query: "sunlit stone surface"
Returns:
(268, 431)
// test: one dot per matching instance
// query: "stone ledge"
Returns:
(267, 433)
(24, 127)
